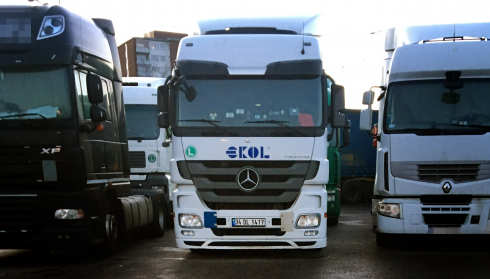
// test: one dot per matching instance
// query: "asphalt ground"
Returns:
(351, 252)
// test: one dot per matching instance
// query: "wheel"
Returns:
(332, 221)
(157, 227)
(352, 191)
(111, 232)
(383, 239)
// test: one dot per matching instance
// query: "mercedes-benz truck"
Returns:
(64, 167)
(433, 160)
(248, 106)
(149, 145)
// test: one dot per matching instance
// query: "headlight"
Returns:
(67, 214)
(331, 198)
(389, 209)
(190, 221)
(307, 221)
(51, 26)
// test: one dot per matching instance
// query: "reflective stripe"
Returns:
(97, 181)
(19, 195)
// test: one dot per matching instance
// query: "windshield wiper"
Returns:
(471, 125)
(27, 114)
(419, 131)
(279, 123)
(212, 122)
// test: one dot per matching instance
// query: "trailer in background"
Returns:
(358, 162)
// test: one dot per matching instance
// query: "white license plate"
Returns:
(445, 230)
(248, 222)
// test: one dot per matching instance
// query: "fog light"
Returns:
(331, 198)
(68, 214)
(389, 209)
(188, 233)
(190, 221)
(311, 233)
(308, 221)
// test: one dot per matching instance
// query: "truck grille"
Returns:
(19, 215)
(280, 182)
(24, 164)
(456, 172)
(435, 172)
(444, 219)
(137, 159)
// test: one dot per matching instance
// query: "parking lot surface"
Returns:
(351, 253)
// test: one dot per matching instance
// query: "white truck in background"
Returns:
(249, 105)
(150, 147)
(433, 140)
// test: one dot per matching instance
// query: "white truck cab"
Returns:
(433, 149)
(150, 149)
(248, 103)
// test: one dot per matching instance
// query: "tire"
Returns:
(110, 231)
(157, 227)
(384, 240)
(332, 221)
(352, 192)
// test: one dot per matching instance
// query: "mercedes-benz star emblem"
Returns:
(446, 187)
(248, 179)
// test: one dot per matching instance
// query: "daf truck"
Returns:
(248, 106)
(64, 164)
(433, 160)
(149, 145)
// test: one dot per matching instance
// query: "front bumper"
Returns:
(311, 199)
(417, 218)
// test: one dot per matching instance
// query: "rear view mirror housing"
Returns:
(97, 114)
(366, 118)
(94, 89)
(338, 104)
(451, 98)
(163, 99)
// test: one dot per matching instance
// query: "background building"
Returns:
(151, 56)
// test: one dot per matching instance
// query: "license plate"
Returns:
(445, 230)
(248, 222)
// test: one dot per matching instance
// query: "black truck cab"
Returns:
(63, 145)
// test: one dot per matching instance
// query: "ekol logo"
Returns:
(246, 152)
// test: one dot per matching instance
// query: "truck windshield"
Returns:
(142, 122)
(34, 92)
(429, 105)
(252, 101)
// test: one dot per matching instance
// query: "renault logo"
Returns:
(248, 179)
(446, 187)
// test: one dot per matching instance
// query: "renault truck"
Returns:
(64, 163)
(248, 105)
(433, 160)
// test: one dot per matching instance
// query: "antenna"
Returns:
(303, 49)
(454, 32)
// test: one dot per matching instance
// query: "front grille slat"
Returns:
(457, 172)
(278, 187)
(137, 159)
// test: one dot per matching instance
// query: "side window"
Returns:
(107, 103)
(84, 97)
(82, 101)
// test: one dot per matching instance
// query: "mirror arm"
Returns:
(330, 136)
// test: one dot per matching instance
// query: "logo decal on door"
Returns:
(191, 151)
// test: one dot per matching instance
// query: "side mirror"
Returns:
(190, 94)
(94, 89)
(368, 98)
(346, 134)
(97, 114)
(163, 120)
(338, 104)
(162, 98)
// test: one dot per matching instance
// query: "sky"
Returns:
(352, 55)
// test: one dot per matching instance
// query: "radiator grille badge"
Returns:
(446, 187)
